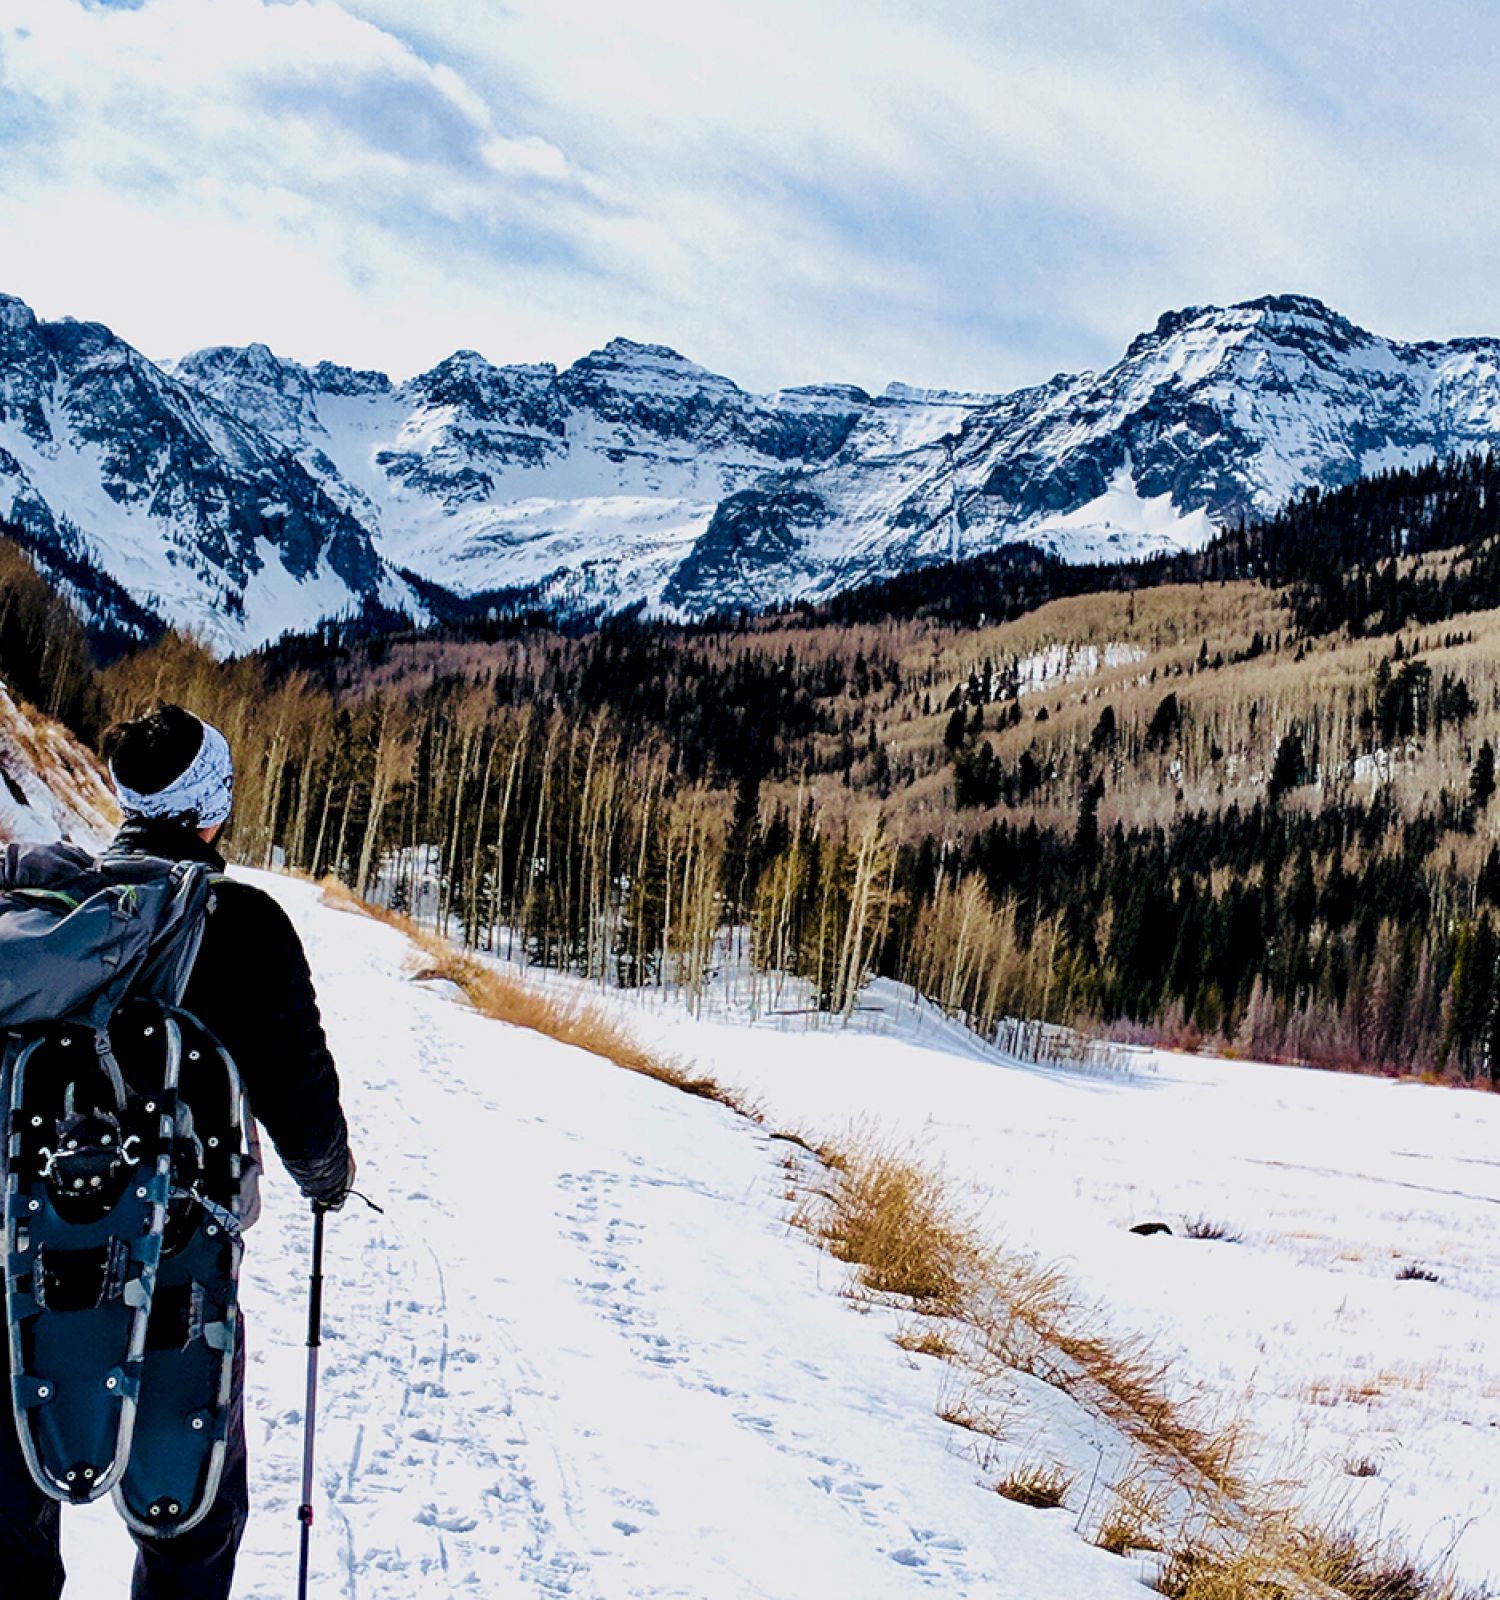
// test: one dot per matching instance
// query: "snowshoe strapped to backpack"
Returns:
(124, 1166)
(181, 1432)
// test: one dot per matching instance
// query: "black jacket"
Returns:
(251, 988)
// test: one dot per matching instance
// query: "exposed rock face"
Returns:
(244, 493)
(134, 487)
(592, 484)
(51, 787)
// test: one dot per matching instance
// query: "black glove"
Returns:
(333, 1199)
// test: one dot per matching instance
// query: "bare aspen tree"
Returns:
(391, 755)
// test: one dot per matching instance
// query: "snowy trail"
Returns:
(583, 1354)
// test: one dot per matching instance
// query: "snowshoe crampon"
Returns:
(89, 1180)
(182, 1416)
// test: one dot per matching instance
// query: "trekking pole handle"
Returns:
(315, 1284)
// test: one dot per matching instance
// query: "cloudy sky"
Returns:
(975, 193)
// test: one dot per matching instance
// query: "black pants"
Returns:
(198, 1565)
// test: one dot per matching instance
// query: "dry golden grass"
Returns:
(1277, 1557)
(829, 1156)
(1343, 1563)
(1041, 1484)
(921, 1339)
(1361, 1391)
(1136, 1514)
(969, 1412)
(898, 1225)
(1126, 1382)
(1347, 1567)
(506, 999)
(965, 1402)
(1120, 1532)
(1192, 1574)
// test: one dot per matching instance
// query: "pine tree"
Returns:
(1290, 769)
(1105, 731)
(1164, 723)
(1086, 834)
(1487, 887)
(1482, 778)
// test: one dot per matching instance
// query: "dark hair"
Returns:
(153, 751)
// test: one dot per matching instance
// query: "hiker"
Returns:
(250, 987)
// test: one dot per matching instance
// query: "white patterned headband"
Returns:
(204, 792)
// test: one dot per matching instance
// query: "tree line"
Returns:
(1334, 933)
(627, 801)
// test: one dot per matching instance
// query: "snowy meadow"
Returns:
(1328, 1284)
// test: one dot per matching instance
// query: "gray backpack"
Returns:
(79, 935)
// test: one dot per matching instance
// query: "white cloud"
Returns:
(940, 192)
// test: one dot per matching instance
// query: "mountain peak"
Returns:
(657, 362)
(917, 394)
(627, 366)
(250, 361)
(623, 349)
(465, 360)
(1305, 305)
(1300, 315)
(15, 314)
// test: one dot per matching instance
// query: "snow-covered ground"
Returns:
(1374, 1399)
(583, 1353)
(1070, 663)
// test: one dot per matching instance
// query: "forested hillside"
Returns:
(1244, 796)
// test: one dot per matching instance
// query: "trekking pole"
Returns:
(310, 1415)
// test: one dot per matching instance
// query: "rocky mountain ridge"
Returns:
(242, 493)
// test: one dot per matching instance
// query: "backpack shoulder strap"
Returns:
(179, 934)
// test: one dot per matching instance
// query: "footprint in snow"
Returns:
(449, 1521)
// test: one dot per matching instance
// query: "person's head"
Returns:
(168, 764)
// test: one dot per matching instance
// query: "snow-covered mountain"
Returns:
(264, 493)
(595, 484)
(146, 500)
(635, 474)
